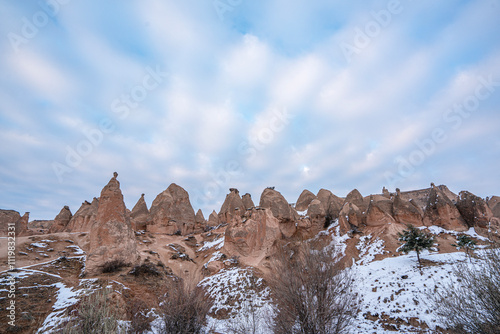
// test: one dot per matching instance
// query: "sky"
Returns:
(215, 94)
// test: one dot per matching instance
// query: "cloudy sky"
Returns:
(215, 94)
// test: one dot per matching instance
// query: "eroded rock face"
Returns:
(171, 212)
(83, 219)
(9, 217)
(350, 218)
(139, 215)
(252, 236)
(494, 204)
(111, 236)
(405, 212)
(232, 206)
(441, 211)
(331, 203)
(305, 198)
(61, 221)
(247, 201)
(200, 222)
(379, 212)
(355, 197)
(287, 216)
(213, 219)
(474, 210)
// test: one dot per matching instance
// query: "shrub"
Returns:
(113, 266)
(312, 291)
(183, 309)
(145, 269)
(139, 321)
(94, 314)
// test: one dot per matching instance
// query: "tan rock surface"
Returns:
(232, 206)
(247, 201)
(474, 210)
(61, 221)
(305, 198)
(441, 211)
(83, 219)
(287, 216)
(139, 215)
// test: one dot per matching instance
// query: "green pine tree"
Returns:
(464, 241)
(414, 239)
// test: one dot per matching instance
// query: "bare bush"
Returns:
(312, 291)
(113, 266)
(94, 314)
(140, 322)
(472, 304)
(184, 309)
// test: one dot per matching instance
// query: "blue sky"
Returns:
(247, 94)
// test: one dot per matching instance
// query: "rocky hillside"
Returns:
(137, 253)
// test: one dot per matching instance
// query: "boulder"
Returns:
(441, 211)
(232, 206)
(171, 212)
(273, 200)
(199, 222)
(139, 215)
(84, 217)
(111, 236)
(406, 212)
(61, 221)
(213, 219)
(305, 198)
(474, 210)
(253, 236)
(247, 201)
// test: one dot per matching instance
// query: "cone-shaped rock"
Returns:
(61, 221)
(379, 211)
(305, 198)
(213, 219)
(139, 215)
(441, 211)
(83, 219)
(406, 212)
(273, 200)
(171, 212)
(247, 201)
(331, 203)
(111, 236)
(474, 210)
(200, 222)
(494, 204)
(13, 218)
(233, 205)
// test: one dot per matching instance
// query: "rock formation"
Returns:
(199, 222)
(406, 212)
(83, 219)
(171, 212)
(494, 204)
(355, 197)
(213, 219)
(61, 221)
(379, 211)
(9, 217)
(273, 200)
(253, 236)
(441, 211)
(474, 210)
(331, 203)
(350, 218)
(139, 215)
(232, 206)
(247, 201)
(111, 236)
(305, 198)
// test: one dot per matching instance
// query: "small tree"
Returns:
(414, 239)
(464, 241)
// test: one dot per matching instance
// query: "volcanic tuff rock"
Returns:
(355, 197)
(379, 211)
(305, 198)
(139, 215)
(474, 210)
(406, 212)
(111, 236)
(331, 203)
(247, 201)
(287, 216)
(494, 204)
(13, 217)
(83, 218)
(171, 212)
(350, 218)
(252, 236)
(200, 222)
(61, 221)
(441, 211)
(213, 219)
(232, 206)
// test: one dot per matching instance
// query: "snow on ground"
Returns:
(368, 248)
(218, 243)
(437, 230)
(395, 288)
(76, 250)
